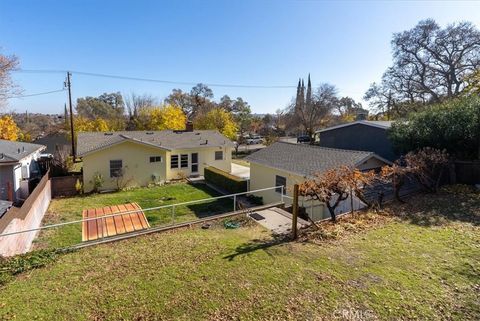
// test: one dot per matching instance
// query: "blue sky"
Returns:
(257, 42)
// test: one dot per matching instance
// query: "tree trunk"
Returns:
(332, 212)
(398, 185)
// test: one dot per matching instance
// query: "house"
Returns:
(18, 167)
(55, 141)
(364, 135)
(139, 158)
(286, 164)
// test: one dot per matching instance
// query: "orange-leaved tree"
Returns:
(8, 128)
(427, 165)
(336, 185)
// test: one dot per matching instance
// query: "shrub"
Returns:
(453, 125)
(224, 180)
(97, 182)
(79, 186)
(9, 267)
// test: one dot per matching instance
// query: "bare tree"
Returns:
(315, 112)
(135, 103)
(429, 63)
(7, 87)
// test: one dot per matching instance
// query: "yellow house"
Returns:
(139, 158)
(286, 164)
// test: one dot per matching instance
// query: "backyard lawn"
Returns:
(69, 209)
(423, 264)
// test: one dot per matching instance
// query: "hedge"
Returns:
(224, 180)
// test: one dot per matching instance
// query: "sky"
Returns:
(248, 42)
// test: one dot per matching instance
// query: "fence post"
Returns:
(234, 202)
(295, 212)
(173, 214)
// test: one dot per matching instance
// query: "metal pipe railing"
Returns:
(137, 210)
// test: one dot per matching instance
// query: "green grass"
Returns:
(69, 209)
(408, 268)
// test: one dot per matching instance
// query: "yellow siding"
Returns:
(138, 169)
(206, 157)
(264, 177)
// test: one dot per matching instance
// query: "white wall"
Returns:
(264, 177)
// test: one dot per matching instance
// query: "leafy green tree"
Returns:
(107, 106)
(453, 125)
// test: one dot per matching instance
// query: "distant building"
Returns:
(361, 135)
(18, 166)
(53, 141)
(286, 164)
(139, 158)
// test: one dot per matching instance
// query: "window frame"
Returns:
(155, 159)
(219, 151)
(183, 160)
(172, 161)
(279, 189)
(116, 171)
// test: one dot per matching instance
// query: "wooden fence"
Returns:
(65, 185)
(467, 172)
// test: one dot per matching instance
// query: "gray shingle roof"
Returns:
(167, 139)
(306, 160)
(15, 151)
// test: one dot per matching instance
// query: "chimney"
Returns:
(189, 126)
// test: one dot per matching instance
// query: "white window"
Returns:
(155, 159)
(219, 155)
(174, 161)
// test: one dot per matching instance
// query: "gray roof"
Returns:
(88, 142)
(306, 160)
(4, 206)
(384, 124)
(15, 151)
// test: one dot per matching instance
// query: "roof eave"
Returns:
(358, 122)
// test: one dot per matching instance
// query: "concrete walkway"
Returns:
(240, 171)
(276, 222)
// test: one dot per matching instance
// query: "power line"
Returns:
(37, 94)
(171, 82)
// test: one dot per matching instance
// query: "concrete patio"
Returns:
(278, 220)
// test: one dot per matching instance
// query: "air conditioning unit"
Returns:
(25, 172)
(23, 191)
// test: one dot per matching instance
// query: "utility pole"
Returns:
(72, 131)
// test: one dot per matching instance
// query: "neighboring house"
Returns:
(363, 135)
(55, 141)
(18, 167)
(286, 164)
(139, 158)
